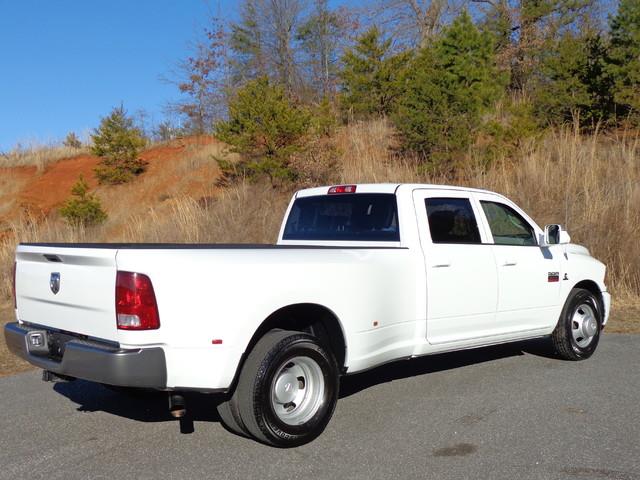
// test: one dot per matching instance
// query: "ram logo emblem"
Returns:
(54, 282)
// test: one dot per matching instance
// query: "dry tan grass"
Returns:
(11, 183)
(156, 192)
(368, 155)
(245, 213)
(9, 363)
(37, 155)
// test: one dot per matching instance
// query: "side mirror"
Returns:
(555, 235)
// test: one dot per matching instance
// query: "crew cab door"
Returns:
(462, 282)
(529, 275)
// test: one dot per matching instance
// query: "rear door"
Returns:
(529, 275)
(70, 289)
(462, 283)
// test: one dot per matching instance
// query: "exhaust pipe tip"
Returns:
(49, 376)
(178, 412)
(177, 405)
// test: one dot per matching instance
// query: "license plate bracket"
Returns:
(38, 342)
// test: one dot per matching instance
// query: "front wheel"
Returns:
(577, 333)
(288, 389)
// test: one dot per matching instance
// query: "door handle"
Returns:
(510, 262)
(442, 264)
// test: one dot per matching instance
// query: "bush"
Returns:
(72, 141)
(118, 142)
(266, 128)
(324, 120)
(317, 165)
(448, 87)
(505, 131)
(85, 209)
(573, 84)
(371, 76)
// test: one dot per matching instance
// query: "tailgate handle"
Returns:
(52, 258)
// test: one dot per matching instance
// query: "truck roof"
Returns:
(386, 188)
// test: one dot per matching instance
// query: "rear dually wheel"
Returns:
(288, 388)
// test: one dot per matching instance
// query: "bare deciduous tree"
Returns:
(201, 78)
(414, 22)
(321, 37)
(263, 42)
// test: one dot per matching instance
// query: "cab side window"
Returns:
(507, 226)
(451, 220)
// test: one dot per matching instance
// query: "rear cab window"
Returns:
(365, 217)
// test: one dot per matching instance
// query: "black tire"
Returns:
(570, 342)
(230, 416)
(278, 356)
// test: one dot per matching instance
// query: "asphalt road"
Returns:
(505, 412)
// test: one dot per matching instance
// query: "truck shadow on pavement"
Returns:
(142, 406)
(352, 384)
(152, 406)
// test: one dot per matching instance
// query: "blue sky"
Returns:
(66, 63)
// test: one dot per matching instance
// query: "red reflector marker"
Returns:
(136, 307)
(343, 189)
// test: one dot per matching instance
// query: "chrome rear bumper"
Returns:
(92, 360)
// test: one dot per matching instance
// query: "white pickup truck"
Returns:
(361, 275)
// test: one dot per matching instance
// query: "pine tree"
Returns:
(448, 87)
(573, 84)
(625, 57)
(85, 209)
(117, 142)
(370, 76)
(266, 128)
(72, 141)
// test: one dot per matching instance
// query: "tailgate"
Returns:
(67, 288)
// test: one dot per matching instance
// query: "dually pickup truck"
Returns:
(361, 275)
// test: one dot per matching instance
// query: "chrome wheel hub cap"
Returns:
(584, 325)
(297, 390)
(287, 388)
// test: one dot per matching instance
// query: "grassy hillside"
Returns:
(589, 183)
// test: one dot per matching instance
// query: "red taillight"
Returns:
(13, 286)
(343, 189)
(136, 307)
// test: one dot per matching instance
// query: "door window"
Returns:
(451, 220)
(507, 226)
